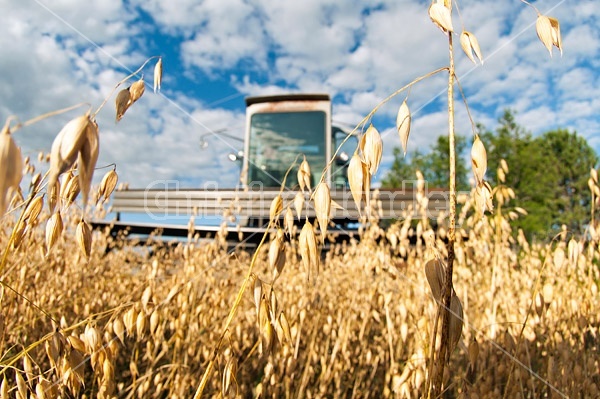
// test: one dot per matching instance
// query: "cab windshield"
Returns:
(278, 139)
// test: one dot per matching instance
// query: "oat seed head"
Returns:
(478, 160)
(229, 376)
(299, 203)
(19, 233)
(92, 338)
(129, 319)
(276, 208)
(403, 120)
(323, 207)
(122, 102)
(140, 324)
(285, 327)
(307, 244)
(154, 320)
(304, 176)
(367, 188)
(53, 194)
(435, 273)
(158, 71)
(288, 221)
(469, 44)
(356, 173)
(21, 385)
(265, 327)
(372, 147)
(441, 16)
(539, 304)
(54, 228)
(504, 165)
(83, 236)
(71, 188)
(594, 175)
(4, 389)
(501, 175)
(66, 147)
(456, 323)
(574, 251)
(277, 255)
(591, 185)
(87, 158)
(548, 31)
(11, 167)
(473, 353)
(558, 257)
(137, 90)
(483, 197)
(107, 185)
(119, 329)
(34, 209)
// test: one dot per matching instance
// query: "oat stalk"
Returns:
(532, 6)
(443, 354)
(50, 114)
(29, 301)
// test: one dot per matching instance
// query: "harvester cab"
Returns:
(283, 129)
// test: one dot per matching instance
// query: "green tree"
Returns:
(510, 142)
(570, 157)
(548, 174)
(434, 165)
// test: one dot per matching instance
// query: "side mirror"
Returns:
(342, 158)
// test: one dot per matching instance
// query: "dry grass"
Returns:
(148, 322)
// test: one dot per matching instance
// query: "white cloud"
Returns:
(227, 32)
(357, 51)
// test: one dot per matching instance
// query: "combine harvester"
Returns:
(280, 131)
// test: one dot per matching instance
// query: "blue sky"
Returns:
(216, 52)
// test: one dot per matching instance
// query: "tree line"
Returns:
(548, 173)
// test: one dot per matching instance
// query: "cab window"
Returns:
(277, 139)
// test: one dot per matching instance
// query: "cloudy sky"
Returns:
(54, 54)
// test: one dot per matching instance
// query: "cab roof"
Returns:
(287, 97)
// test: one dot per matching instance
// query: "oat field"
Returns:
(146, 321)
(459, 307)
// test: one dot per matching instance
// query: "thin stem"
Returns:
(444, 352)
(462, 94)
(48, 115)
(495, 266)
(432, 358)
(7, 123)
(592, 209)
(462, 23)
(532, 6)
(30, 302)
